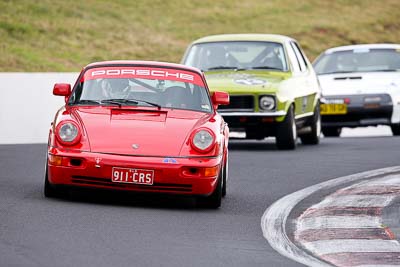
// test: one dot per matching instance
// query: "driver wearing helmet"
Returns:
(114, 88)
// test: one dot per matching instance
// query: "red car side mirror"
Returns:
(62, 89)
(220, 98)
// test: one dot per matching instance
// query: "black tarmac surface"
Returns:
(114, 229)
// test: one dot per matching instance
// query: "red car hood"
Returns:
(146, 132)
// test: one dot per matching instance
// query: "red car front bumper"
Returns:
(186, 176)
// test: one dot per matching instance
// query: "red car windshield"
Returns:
(142, 86)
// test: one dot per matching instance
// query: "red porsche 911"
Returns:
(139, 126)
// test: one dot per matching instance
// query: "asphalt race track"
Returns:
(109, 229)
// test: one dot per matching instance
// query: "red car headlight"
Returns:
(68, 133)
(203, 140)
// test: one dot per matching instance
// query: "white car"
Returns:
(360, 87)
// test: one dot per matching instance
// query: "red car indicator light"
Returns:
(55, 160)
(211, 171)
(65, 161)
(346, 100)
(200, 172)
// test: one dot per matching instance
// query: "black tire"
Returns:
(225, 173)
(50, 190)
(214, 200)
(286, 134)
(395, 129)
(331, 131)
(312, 138)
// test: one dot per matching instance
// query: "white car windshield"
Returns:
(237, 55)
(358, 60)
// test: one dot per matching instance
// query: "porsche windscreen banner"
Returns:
(143, 73)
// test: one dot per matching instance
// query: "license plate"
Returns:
(132, 176)
(329, 109)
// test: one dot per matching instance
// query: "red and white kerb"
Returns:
(144, 73)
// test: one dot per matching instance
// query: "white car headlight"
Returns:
(267, 103)
(68, 132)
(203, 140)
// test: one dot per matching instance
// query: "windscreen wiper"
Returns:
(144, 101)
(119, 101)
(336, 72)
(222, 68)
(89, 101)
(266, 68)
(389, 70)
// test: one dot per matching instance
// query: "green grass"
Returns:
(51, 35)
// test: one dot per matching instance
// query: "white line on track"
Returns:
(359, 201)
(322, 247)
(322, 222)
(390, 180)
(273, 222)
